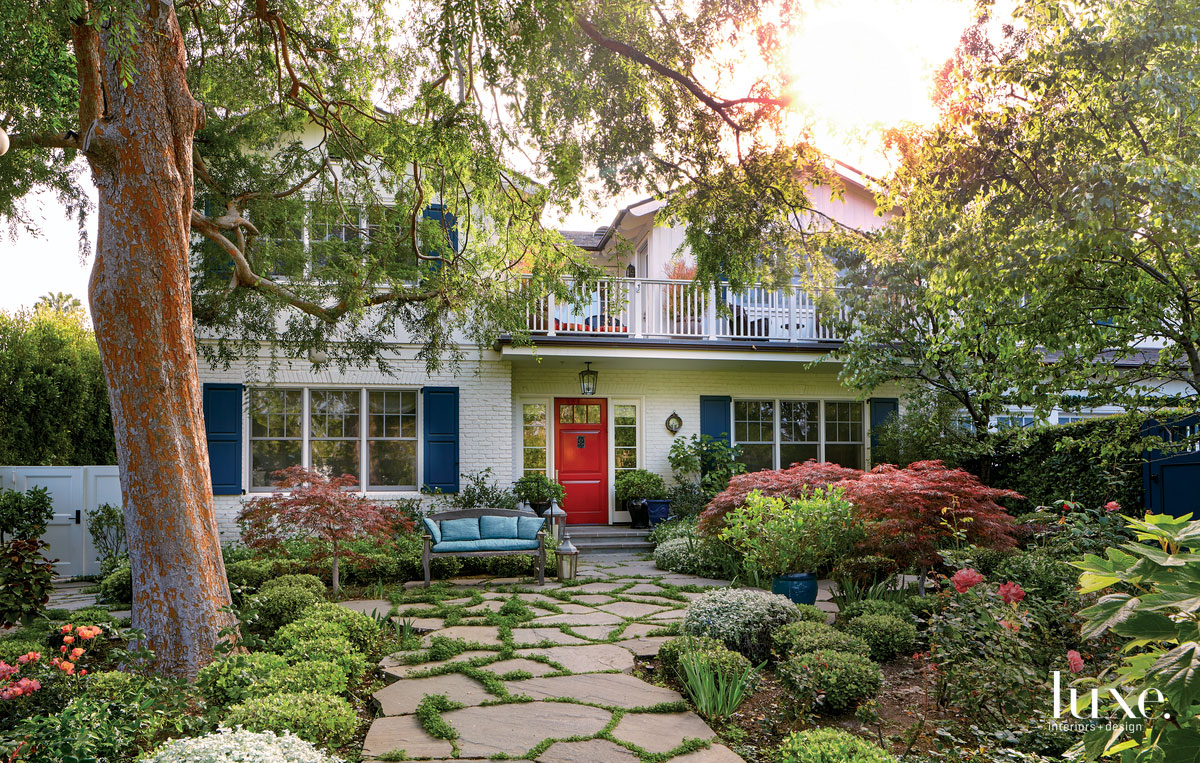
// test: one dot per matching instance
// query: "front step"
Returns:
(609, 539)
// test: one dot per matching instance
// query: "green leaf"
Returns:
(1109, 611)
(1180, 745)
(1146, 625)
(1177, 675)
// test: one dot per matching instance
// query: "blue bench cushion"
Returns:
(435, 532)
(528, 527)
(486, 544)
(498, 527)
(460, 529)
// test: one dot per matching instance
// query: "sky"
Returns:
(863, 65)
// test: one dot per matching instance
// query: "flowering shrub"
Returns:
(308, 503)
(913, 511)
(778, 536)
(240, 746)
(325, 720)
(887, 636)
(742, 618)
(834, 681)
(980, 649)
(43, 682)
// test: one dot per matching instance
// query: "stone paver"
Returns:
(637, 630)
(585, 659)
(367, 606)
(646, 646)
(596, 588)
(394, 666)
(591, 618)
(488, 605)
(591, 751)
(517, 663)
(592, 598)
(632, 609)
(479, 634)
(402, 697)
(516, 728)
(530, 636)
(611, 689)
(577, 609)
(718, 753)
(669, 616)
(660, 732)
(403, 733)
(649, 588)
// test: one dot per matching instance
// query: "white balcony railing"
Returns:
(642, 308)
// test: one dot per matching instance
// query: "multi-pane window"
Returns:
(1020, 420)
(625, 437)
(799, 431)
(754, 430)
(533, 437)
(774, 434)
(334, 435)
(844, 434)
(588, 413)
(392, 438)
(369, 433)
(276, 434)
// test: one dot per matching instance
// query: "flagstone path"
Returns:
(557, 688)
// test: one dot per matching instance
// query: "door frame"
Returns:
(606, 433)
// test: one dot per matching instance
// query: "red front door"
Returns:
(581, 458)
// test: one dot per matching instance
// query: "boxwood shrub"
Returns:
(117, 587)
(334, 650)
(837, 681)
(741, 618)
(233, 678)
(250, 573)
(305, 676)
(305, 629)
(828, 745)
(873, 607)
(275, 607)
(310, 582)
(807, 636)
(888, 636)
(325, 720)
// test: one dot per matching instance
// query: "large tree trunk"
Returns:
(140, 152)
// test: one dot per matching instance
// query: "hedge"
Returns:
(1093, 461)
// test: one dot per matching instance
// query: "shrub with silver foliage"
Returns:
(240, 746)
(742, 618)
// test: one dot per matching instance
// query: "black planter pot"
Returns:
(639, 513)
(540, 507)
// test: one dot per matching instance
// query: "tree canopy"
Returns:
(363, 167)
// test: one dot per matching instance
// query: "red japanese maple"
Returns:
(306, 503)
(914, 511)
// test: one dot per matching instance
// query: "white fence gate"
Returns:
(74, 490)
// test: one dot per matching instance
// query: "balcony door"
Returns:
(581, 458)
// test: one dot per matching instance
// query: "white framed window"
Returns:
(776, 433)
(371, 433)
(625, 436)
(1015, 420)
(533, 437)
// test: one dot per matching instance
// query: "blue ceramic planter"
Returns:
(660, 509)
(800, 587)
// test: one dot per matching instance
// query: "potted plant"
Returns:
(644, 494)
(539, 491)
(792, 540)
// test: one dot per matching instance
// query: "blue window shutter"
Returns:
(440, 431)
(449, 224)
(223, 429)
(882, 409)
(714, 416)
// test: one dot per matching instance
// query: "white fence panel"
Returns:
(74, 490)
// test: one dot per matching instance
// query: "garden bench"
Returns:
(484, 532)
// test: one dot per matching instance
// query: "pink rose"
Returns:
(1075, 661)
(1112, 506)
(966, 579)
(1010, 592)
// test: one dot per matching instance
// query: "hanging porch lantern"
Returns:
(587, 380)
(557, 519)
(568, 559)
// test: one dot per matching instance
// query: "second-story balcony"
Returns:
(644, 308)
